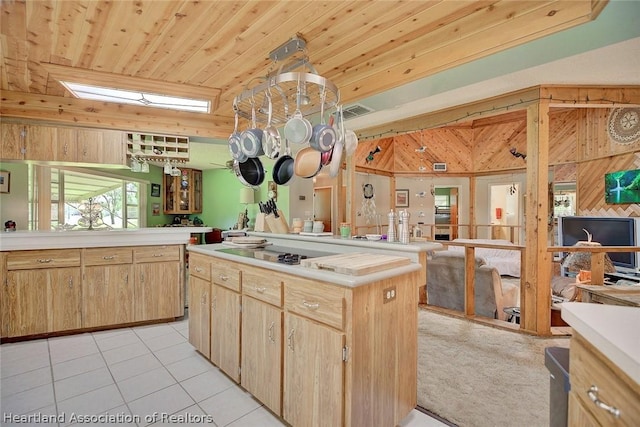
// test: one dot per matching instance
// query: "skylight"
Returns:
(139, 98)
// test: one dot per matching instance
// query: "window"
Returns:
(69, 199)
(139, 98)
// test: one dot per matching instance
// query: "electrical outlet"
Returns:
(388, 294)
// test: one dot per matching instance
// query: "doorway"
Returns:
(446, 213)
(323, 206)
(504, 211)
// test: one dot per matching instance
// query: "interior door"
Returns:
(322, 206)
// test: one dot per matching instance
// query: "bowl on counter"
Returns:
(373, 236)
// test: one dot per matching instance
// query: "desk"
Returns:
(612, 294)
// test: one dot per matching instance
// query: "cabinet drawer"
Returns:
(226, 274)
(318, 301)
(27, 260)
(590, 368)
(157, 253)
(108, 256)
(262, 285)
(200, 266)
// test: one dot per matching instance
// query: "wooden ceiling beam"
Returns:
(105, 115)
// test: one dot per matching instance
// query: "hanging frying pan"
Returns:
(251, 139)
(283, 168)
(308, 163)
(336, 159)
(250, 172)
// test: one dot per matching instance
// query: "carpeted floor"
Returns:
(475, 375)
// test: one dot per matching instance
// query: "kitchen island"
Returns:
(417, 251)
(604, 367)
(72, 281)
(316, 347)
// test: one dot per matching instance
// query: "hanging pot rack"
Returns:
(288, 89)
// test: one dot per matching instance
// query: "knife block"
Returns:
(261, 223)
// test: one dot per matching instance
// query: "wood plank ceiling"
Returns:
(218, 47)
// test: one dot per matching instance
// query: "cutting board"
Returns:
(355, 264)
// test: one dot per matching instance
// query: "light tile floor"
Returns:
(124, 377)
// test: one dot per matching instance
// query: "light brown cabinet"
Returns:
(261, 344)
(304, 346)
(62, 144)
(42, 292)
(225, 317)
(158, 283)
(200, 303)
(107, 287)
(601, 394)
(12, 146)
(182, 194)
(57, 290)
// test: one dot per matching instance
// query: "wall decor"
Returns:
(5, 177)
(155, 190)
(402, 198)
(155, 209)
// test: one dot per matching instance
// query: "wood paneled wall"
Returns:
(578, 136)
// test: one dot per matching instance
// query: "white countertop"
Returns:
(612, 329)
(324, 243)
(306, 272)
(28, 240)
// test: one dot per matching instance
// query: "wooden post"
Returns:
(470, 281)
(535, 288)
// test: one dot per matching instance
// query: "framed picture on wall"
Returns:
(5, 177)
(402, 198)
(155, 190)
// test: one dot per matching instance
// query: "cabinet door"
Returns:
(25, 299)
(41, 143)
(262, 352)
(157, 291)
(225, 330)
(101, 146)
(196, 193)
(169, 194)
(313, 393)
(107, 295)
(64, 299)
(200, 315)
(13, 140)
(66, 149)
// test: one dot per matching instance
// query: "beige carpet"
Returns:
(475, 375)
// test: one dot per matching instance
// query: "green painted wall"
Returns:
(221, 200)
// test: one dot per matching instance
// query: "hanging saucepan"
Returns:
(324, 136)
(251, 139)
(234, 144)
(270, 135)
(250, 172)
(283, 168)
(308, 163)
(298, 129)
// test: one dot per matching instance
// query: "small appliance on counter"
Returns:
(10, 225)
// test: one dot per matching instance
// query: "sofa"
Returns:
(446, 284)
(507, 262)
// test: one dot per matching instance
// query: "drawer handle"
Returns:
(199, 270)
(44, 260)
(311, 305)
(157, 255)
(593, 395)
(108, 257)
(271, 332)
(261, 290)
(223, 277)
(290, 339)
